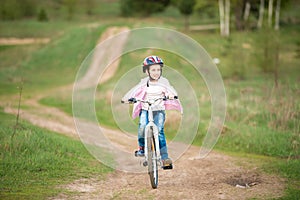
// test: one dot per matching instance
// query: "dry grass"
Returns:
(283, 109)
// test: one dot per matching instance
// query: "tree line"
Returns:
(22, 9)
(246, 14)
(242, 10)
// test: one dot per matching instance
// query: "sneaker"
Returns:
(167, 162)
(140, 152)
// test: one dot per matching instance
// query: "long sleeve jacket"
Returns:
(139, 92)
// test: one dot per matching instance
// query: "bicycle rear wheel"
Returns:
(152, 160)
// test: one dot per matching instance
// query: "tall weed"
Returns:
(282, 108)
(262, 120)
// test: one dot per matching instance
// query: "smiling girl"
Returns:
(152, 87)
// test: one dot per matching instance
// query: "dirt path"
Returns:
(22, 41)
(218, 176)
(214, 177)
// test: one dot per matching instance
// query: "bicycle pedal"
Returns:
(145, 163)
(166, 167)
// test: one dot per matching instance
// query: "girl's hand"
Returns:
(171, 96)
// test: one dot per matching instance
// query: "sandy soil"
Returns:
(217, 176)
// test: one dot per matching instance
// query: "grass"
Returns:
(34, 29)
(260, 140)
(64, 103)
(60, 58)
(250, 118)
(260, 120)
(98, 9)
(288, 169)
(36, 161)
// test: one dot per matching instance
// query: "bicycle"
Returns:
(152, 151)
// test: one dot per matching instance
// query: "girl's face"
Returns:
(154, 72)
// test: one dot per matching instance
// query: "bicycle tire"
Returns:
(152, 160)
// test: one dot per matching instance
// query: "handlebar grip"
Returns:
(166, 98)
(132, 100)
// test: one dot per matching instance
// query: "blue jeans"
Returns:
(159, 120)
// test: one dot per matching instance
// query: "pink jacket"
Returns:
(139, 92)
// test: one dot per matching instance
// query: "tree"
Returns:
(222, 17)
(71, 7)
(247, 11)
(42, 15)
(142, 8)
(277, 11)
(186, 7)
(227, 17)
(238, 13)
(89, 6)
(14, 9)
(206, 9)
(261, 13)
(270, 13)
(224, 10)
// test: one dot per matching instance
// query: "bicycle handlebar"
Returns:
(134, 100)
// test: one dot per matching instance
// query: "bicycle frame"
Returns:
(152, 150)
(152, 134)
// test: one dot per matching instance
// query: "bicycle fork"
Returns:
(151, 131)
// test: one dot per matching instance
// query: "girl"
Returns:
(152, 87)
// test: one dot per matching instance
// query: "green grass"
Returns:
(259, 140)
(35, 161)
(99, 9)
(58, 61)
(32, 28)
(288, 169)
(252, 127)
(64, 103)
(257, 120)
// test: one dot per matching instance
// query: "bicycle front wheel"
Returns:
(152, 160)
